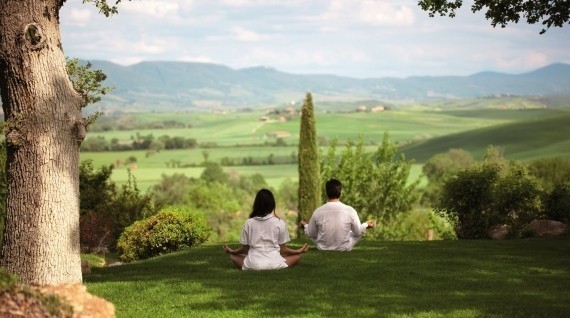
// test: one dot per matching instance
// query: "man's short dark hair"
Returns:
(333, 188)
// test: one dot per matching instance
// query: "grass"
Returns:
(517, 278)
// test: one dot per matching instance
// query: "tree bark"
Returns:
(44, 129)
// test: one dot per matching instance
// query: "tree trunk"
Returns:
(44, 129)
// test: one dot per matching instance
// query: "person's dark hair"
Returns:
(333, 188)
(263, 204)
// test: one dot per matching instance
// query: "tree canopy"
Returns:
(502, 12)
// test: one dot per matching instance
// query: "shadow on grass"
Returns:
(527, 278)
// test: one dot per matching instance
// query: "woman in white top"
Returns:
(263, 239)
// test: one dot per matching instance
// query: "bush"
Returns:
(96, 230)
(377, 185)
(414, 226)
(556, 204)
(516, 199)
(474, 199)
(168, 231)
(466, 201)
(107, 209)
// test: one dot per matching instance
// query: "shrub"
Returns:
(376, 184)
(556, 204)
(168, 231)
(476, 198)
(516, 199)
(414, 226)
(111, 208)
(95, 230)
(466, 201)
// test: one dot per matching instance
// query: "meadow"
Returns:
(525, 132)
(515, 278)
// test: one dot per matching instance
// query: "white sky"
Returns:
(356, 38)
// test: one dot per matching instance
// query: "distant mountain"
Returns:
(174, 85)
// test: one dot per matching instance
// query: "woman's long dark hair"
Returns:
(263, 204)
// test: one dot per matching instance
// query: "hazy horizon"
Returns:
(352, 38)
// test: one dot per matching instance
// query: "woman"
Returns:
(263, 239)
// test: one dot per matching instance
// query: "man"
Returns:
(335, 226)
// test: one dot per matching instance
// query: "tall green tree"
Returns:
(309, 180)
(44, 130)
(502, 12)
(376, 184)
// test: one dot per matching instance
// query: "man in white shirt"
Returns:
(335, 226)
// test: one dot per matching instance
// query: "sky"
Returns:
(354, 38)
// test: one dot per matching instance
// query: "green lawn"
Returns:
(516, 278)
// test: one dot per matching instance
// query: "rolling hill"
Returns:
(183, 85)
(522, 140)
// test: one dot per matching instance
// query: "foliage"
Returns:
(309, 181)
(148, 142)
(549, 13)
(168, 231)
(107, 209)
(287, 195)
(376, 184)
(223, 206)
(467, 278)
(96, 230)
(94, 186)
(213, 172)
(466, 200)
(171, 190)
(556, 204)
(104, 6)
(129, 205)
(516, 199)
(494, 192)
(440, 166)
(551, 172)
(414, 226)
(222, 203)
(250, 184)
(87, 82)
(95, 259)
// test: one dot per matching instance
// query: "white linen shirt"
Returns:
(335, 226)
(263, 235)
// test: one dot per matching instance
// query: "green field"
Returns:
(524, 134)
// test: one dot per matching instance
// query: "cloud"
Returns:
(368, 12)
(378, 13)
(198, 59)
(364, 38)
(153, 8)
(242, 34)
(79, 17)
(260, 3)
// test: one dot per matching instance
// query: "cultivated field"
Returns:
(525, 131)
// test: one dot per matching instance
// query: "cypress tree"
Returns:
(309, 180)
